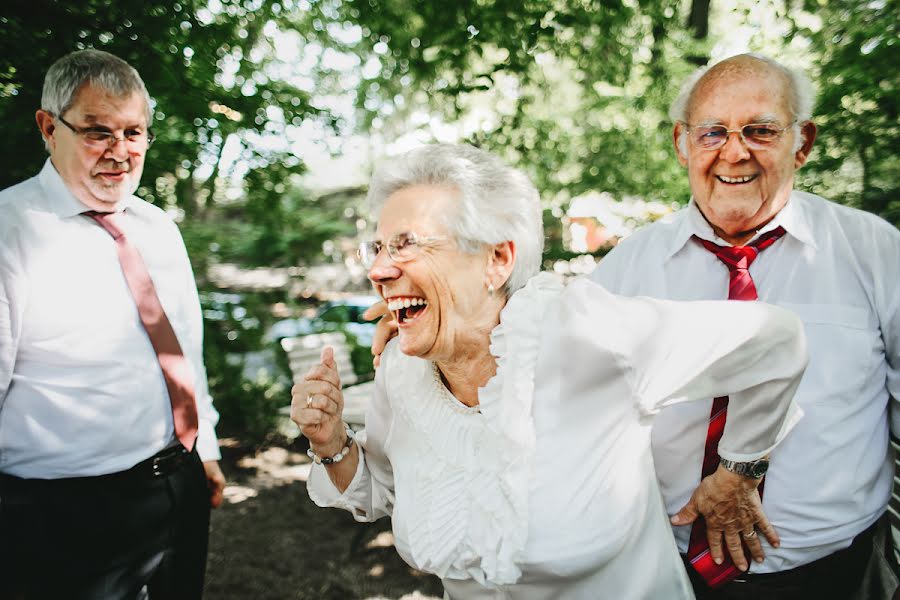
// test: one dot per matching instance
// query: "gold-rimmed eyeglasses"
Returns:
(99, 137)
(755, 135)
(402, 247)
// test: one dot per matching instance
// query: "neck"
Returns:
(465, 375)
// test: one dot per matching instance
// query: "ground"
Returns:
(268, 541)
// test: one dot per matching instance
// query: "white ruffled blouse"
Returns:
(546, 489)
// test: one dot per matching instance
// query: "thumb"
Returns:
(327, 357)
(688, 514)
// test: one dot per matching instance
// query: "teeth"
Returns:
(398, 303)
(735, 179)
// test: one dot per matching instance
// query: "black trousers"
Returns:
(107, 537)
(837, 576)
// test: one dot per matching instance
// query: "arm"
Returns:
(362, 483)
(207, 443)
(673, 352)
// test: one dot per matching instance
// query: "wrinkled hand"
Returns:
(384, 331)
(317, 405)
(732, 509)
(215, 481)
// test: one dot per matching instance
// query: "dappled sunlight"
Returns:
(414, 596)
(238, 493)
(385, 539)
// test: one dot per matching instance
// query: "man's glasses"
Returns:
(402, 247)
(756, 135)
(100, 137)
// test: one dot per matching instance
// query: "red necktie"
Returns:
(175, 369)
(740, 287)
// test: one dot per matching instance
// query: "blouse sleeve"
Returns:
(370, 494)
(672, 352)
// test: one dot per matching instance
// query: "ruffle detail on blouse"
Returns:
(467, 514)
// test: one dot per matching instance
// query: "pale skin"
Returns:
(101, 177)
(453, 331)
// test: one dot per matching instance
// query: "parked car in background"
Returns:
(334, 315)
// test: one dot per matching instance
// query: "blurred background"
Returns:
(269, 117)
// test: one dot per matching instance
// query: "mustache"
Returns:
(114, 165)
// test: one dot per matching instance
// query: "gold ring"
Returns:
(748, 536)
(309, 401)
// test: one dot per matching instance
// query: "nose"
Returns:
(734, 149)
(118, 149)
(383, 269)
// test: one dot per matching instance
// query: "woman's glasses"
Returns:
(402, 247)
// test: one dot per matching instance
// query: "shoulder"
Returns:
(651, 240)
(865, 233)
(16, 204)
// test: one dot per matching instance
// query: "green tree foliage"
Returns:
(858, 109)
(212, 71)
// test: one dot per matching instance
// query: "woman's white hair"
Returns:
(496, 203)
(802, 95)
(69, 74)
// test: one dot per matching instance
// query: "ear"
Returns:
(680, 144)
(47, 126)
(500, 263)
(808, 131)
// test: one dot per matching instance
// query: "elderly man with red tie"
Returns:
(108, 452)
(742, 129)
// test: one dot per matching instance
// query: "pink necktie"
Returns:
(175, 369)
(740, 287)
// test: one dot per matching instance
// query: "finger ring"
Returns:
(750, 535)
(309, 401)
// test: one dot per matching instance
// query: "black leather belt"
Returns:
(161, 464)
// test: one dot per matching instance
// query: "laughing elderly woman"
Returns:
(509, 433)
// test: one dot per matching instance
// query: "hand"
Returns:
(215, 481)
(317, 405)
(384, 331)
(732, 508)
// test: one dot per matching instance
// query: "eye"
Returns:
(132, 134)
(761, 132)
(403, 241)
(710, 133)
(97, 135)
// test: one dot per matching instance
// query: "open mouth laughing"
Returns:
(407, 309)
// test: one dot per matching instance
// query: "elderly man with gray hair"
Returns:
(742, 129)
(108, 453)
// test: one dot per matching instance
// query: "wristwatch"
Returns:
(755, 468)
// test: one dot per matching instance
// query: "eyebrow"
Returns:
(759, 119)
(93, 121)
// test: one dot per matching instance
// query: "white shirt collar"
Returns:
(792, 217)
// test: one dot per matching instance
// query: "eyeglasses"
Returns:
(756, 135)
(99, 137)
(402, 247)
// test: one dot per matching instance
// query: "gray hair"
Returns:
(802, 95)
(497, 203)
(69, 74)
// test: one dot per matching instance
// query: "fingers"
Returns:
(384, 331)
(735, 550)
(215, 481)
(687, 514)
(379, 309)
(327, 357)
(767, 530)
(752, 543)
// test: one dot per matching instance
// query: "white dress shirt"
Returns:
(546, 490)
(81, 389)
(838, 269)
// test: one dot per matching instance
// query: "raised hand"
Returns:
(317, 404)
(384, 331)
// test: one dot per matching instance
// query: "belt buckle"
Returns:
(160, 463)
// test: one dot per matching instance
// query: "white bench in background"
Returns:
(303, 353)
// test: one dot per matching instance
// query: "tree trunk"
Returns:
(698, 24)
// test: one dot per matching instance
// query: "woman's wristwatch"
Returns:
(755, 468)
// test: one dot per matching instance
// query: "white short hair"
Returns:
(802, 95)
(69, 74)
(496, 203)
